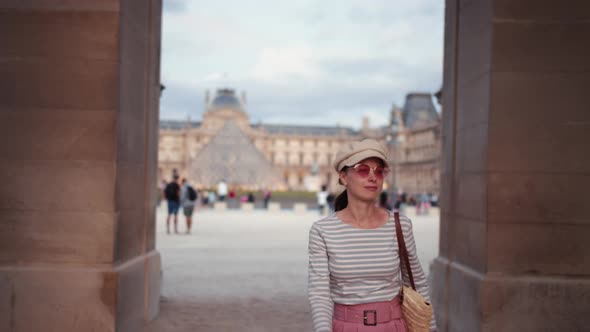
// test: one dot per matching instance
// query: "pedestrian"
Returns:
(172, 194)
(232, 199)
(384, 201)
(322, 199)
(433, 200)
(221, 190)
(398, 203)
(425, 202)
(188, 198)
(330, 200)
(355, 275)
(212, 198)
(267, 196)
(251, 198)
(205, 198)
(403, 202)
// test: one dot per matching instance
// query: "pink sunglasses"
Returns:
(364, 170)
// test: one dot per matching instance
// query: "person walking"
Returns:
(188, 199)
(212, 198)
(384, 201)
(425, 202)
(231, 204)
(221, 190)
(322, 199)
(172, 194)
(251, 198)
(354, 272)
(330, 200)
(266, 197)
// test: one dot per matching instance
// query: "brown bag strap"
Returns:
(403, 252)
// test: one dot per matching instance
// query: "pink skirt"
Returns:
(375, 317)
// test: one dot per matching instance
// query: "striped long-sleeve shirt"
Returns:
(350, 265)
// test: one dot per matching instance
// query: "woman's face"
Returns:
(361, 186)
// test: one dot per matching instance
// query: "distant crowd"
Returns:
(184, 196)
(181, 195)
(398, 201)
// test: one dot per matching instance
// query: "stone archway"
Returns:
(77, 228)
(515, 220)
(79, 119)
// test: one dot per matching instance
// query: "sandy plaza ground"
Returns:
(247, 270)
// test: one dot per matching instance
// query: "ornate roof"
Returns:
(304, 130)
(225, 98)
(419, 111)
(178, 124)
(273, 129)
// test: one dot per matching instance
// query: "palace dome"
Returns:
(225, 98)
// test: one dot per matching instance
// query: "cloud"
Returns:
(387, 11)
(180, 100)
(174, 6)
(305, 62)
(278, 64)
(327, 101)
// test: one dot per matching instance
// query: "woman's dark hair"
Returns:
(341, 201)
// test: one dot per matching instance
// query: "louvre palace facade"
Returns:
(225, 145)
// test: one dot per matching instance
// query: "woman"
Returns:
(354, 266)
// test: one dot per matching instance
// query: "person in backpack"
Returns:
(188, 198)
(172, 194)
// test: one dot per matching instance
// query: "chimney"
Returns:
(206, 98)
(244, 97)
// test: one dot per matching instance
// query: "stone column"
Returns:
(79, 94)
(515, 219)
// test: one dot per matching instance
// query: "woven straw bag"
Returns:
(416, 311)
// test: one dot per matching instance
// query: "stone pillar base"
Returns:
(220, 206)
(299, 207)
(274, 206)
(495, 302)
(86, 298)
(247, 206)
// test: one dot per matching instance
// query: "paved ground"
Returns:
(246, 271)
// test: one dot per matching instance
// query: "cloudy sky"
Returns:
(309, 62)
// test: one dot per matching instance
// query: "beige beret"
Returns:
(350, 154)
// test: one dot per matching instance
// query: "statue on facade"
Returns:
(315, 168)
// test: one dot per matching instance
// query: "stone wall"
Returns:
(515, 218)
(78, 126)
